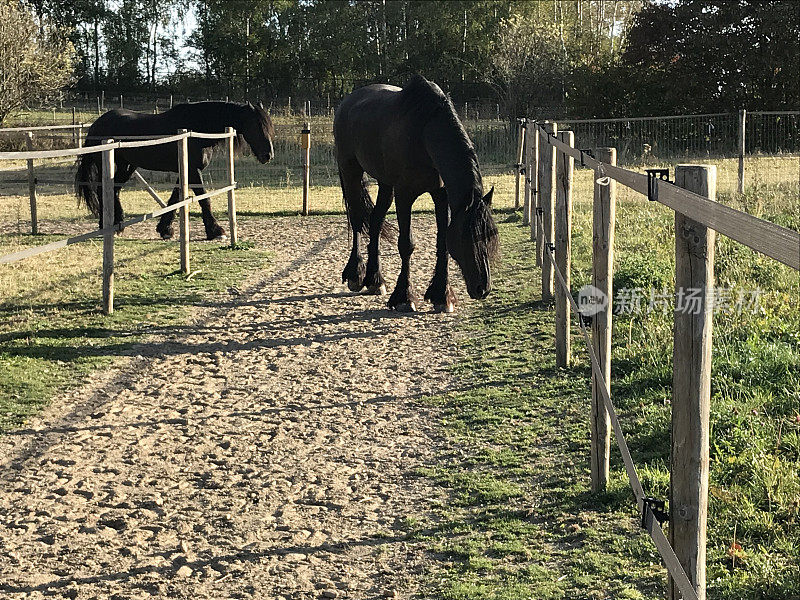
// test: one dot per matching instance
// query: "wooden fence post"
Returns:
(306, 146)
(533, 175)
(603, 221)
(98, 106)
(691, 382)
(120, 101)
(547, 201)
(518, 165)
(32, 186)
(526, 174)
(108, 225)
(232, 225)
(80, 135)
(741, 140)
(183, 216)
(563, 234)
(74, 141)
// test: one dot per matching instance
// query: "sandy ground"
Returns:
(265, 450)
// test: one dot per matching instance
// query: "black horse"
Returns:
(252, 124)
(411, 140)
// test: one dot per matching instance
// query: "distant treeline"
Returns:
(555, 57)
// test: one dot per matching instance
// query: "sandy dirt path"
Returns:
(266, 450)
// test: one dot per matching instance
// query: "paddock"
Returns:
(255, 440)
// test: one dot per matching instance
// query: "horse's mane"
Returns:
(211, 116)
(422, 100)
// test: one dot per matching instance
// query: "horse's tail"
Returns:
(359, 211)
(87, 183)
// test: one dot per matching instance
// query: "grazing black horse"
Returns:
(251, 123)
(412, 142)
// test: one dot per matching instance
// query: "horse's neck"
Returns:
(455, 160)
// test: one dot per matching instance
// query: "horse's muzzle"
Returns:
(265, 158)
(479, 292)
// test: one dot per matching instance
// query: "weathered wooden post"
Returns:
(603, 221)
(691, 382)
(80, 135)
(98, 106)
(741, 140)
(526, 198)
(533, 175)
(103, 99)
(518, 164)
(306, 147)
(547, 201)
(183, 215)
(74, 141)
(563, 222)
(121, 105)
(108, 226)
(32, 186)
(232, 225)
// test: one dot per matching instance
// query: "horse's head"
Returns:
(258, 131)
(472, 242)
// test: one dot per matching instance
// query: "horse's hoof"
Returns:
(447, 307)
(377, 290)
(407, 307)
(354, 285)
(165, 235)
(220, 237)
(215, 233)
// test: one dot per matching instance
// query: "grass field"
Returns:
(521, 521)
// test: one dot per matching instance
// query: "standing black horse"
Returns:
(251, 123)
(412, 142)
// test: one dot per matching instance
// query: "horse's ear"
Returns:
(488, 197)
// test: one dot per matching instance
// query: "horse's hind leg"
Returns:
(164, 227)
(439, 291)
(124, 171)
(403, 297)
(374, 279)
(350, 176)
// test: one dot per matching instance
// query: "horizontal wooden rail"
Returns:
(770, 239)
(29, 252)
(100, 147)
(41, 128)
(627, 119)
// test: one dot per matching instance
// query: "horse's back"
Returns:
(371, 128)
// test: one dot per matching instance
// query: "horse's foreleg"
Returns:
(403, 297)
(164, 227)
(439, 291)
(213, 229)
(374, 279)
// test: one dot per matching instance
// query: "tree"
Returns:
(36, 59)
(714, 55)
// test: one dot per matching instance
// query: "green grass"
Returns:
(52, 334)
(521, 522)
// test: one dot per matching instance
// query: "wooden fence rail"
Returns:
(697, 217)
(107, 149)
(126, 142)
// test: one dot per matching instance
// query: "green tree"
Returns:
(713, 55)
(36, 59)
